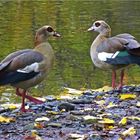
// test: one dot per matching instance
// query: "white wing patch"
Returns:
(33, 67)
(103, 56)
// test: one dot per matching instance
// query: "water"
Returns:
(71, 18)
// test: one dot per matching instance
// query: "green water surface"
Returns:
(19, 19)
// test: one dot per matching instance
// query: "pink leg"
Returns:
(121, 80)
(23, 102)
(29, 97)
(113, 79)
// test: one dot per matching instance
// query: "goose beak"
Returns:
(91, 29)
(56, 34)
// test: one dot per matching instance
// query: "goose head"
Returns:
(43, 33)
(101, 27)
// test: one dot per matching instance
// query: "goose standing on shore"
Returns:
(113, 52)
(26, 68)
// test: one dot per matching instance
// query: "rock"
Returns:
(50, 98)
(66, 106)
(75, 136)
(74, 118)
(80, 101)
(88, 93)
(53, 124)
(90, 119)
(95, 137)
(78, 112)
(29, 126)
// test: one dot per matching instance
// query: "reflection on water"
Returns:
(73, 67)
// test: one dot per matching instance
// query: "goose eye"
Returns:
(49, 29)
(97, 24)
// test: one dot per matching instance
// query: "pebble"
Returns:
(53, 124)
(66, 106)
(77, 118)
(80, 101)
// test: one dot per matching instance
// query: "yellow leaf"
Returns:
(6, 119)
(38, 125)
(111, 105)
(110, 127)
(107, 121)
(123, 121)
(134, 118)
(101, 102)
(129, 132)
(105, 89)
(10, 106)
(35, 135)
(74, 91)
(127, 96)
(53, 112)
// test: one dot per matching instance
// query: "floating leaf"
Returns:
(42, 119)
(127, 96)
(6, 119)
(129, 132)
(123, 121)
(107, 121)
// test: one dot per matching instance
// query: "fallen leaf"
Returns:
(123, 121)
(107, 121)
(108, 126)
(127, 96)
(105, 89)
(53, 112)
(42, 119)
(134, 118)
(34, 134)
(90, 119)
(138, 104)
(38, 125)
(101, 102)
(111, 105)
(11, 106)
(6, 119)
(74, 91)
(129, 132)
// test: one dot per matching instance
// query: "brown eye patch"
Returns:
(97, 24)
(49, 29)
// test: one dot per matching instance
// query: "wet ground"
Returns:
(77, 115)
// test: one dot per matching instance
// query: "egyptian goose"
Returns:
(113, 52)
(26, 68)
